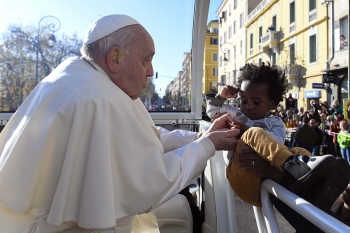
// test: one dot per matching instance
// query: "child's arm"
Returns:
(216, 106)
(274, 126)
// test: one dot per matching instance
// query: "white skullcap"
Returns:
(105, 26)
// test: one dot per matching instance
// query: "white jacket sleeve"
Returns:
(172, 140)
(192, 160)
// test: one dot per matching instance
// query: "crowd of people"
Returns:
(321, 130)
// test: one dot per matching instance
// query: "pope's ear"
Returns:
(114, 57)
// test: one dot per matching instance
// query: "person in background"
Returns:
(318, 138)
(301, 110)
(343, 42)
(344, 140)
(302, 116)
(325, 107)
(336, 108)
(82, 154)
(304, 136)
(315, 107)
(333, 131)
(284, 118)
(323, 123)
(328, 145)
(290, 102)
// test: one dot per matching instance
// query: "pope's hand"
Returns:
(220, 133)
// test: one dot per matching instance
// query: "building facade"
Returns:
(293, 35)
(336, 78)
(210, 65)
(232, 37)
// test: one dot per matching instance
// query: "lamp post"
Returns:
(51, 40)
(225, 50)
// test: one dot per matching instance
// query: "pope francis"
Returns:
(82, 154)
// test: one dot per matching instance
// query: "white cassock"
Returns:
(80, 152)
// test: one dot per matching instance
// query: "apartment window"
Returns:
(215, 71)
(260, 34)
(312, 49)
(274, 22)
(228, 55)
(292, 12)
(229, 32)
(292, 54)
(234, 27)
(312, 5)
(251, 41)
(229, 9)
(234, 74)
(344, 22)
(241, 47)
(273, 58)
(215, 57)
(234, 51)
(241, 20)
(225, 37)
(213, 41)
(260, 60)
(234, 4)
(220, 40)
(220, 62)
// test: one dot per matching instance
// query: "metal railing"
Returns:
(266, 219)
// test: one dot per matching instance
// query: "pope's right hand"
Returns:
(221, 134)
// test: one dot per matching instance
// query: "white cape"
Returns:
(72, 149)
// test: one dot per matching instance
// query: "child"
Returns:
(344, 140)
(261, 88)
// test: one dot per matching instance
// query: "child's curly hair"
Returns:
(271, 75)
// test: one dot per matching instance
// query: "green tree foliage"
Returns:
(19, 47)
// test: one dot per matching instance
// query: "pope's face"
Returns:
(136, 66)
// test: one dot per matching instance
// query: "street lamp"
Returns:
(51, 40)
(225, 50)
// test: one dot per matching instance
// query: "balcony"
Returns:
(270, 40)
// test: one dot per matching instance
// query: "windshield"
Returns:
(37, 36)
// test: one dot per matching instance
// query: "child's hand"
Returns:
(229, 92)
(236, 123)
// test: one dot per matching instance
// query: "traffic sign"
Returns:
(317, 85)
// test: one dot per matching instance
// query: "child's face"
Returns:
(255, 103)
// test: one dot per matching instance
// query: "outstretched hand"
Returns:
(221, 133)
(236, 123)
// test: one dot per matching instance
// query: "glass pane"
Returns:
(312, 48)
(312, 5)
(39, 35)
(292, 12)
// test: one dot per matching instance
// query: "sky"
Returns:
(168, 21)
